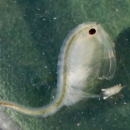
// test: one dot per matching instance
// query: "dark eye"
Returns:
(92, 31)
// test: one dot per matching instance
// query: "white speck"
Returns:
(48, 87)
(55, 18)
(78, 124)
(38, 8)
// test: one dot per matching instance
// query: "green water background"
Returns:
(31, 34)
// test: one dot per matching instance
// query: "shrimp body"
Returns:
(87, 53)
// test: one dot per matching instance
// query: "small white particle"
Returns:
(38, 8)
(78, 124)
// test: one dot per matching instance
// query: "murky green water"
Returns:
(31, 34)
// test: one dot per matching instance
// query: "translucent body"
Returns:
(87, 52)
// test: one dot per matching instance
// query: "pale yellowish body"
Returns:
(87, 53)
